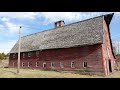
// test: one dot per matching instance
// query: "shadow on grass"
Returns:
(11, 71)
(90, 73)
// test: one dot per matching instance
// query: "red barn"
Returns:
(84, 44)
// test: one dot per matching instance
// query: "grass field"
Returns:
(27, 73)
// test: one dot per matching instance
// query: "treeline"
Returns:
(3, 56)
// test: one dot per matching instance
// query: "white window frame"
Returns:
(61, 65)
(23, 55)
(84, 64)
(37, 53)
(14, 55)
(28, 64)
(44, 64)
(52, 64)
(23, 64)
(72, 64)
(29, 54)
(37, 64)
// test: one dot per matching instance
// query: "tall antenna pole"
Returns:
(19, 50)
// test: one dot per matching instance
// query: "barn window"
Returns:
(37, 53)
(23, 55)
(36, 64)
(52, 64)
(44, 64)
(22, 64)
(28, 64)
(84, 64)
(13, 55)
(72, 64)
(61, 64)
(29, 54)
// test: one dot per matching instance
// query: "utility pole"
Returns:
(19, 46)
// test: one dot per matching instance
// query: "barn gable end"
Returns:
(108, 55)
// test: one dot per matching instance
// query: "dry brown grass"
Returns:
(27, 73)
(4, 63)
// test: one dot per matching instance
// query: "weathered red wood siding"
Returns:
(90, 54)
(107, 51)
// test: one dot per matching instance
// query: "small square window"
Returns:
(61, 64)
(23, 55)
(72, 64)
(22, 64)
(13, 55)
(44, 64)
(28, 64)
(84, 64)
(52, 64)
(36, 64)
(29, 54)
(37, 53)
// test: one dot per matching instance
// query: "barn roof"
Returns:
(86, 32)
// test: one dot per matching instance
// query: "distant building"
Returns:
(82, 45)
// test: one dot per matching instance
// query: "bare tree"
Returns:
(115, 47)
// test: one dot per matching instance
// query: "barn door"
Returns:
(110, 66)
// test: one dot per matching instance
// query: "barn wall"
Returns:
(107, 51)
(90, 54)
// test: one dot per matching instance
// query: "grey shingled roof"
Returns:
(86, 32)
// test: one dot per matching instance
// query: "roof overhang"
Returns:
(108, 18)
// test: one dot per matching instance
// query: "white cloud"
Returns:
(9, 26)
(117, 13)
(4, 19)
(12, 27)
(54, 16)
(51, 17)
(117, 16)
(1, 27)
(116, 44)
(31, 15)
(6, 46)
(19, 15)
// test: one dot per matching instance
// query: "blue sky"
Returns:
(33, 22)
